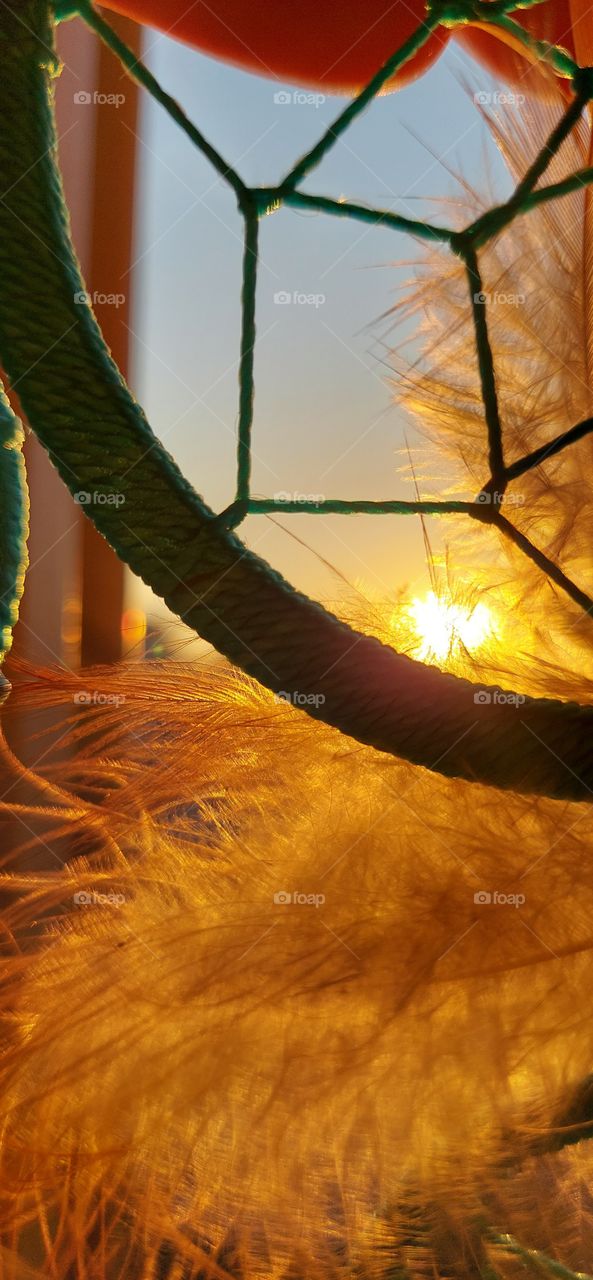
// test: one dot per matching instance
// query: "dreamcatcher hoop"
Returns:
(98, 438)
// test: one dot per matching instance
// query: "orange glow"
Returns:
(443, 627)
(133, 630)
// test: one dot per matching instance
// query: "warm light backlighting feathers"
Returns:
(444, 627)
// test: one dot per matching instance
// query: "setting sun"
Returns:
(443, 627)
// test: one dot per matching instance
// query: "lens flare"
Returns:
(444, 627)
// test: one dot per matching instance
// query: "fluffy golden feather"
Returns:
(387, 1074)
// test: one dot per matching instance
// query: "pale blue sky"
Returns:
(324, 420)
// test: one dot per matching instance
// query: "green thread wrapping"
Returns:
(486, 368)
(64, 9)
(14, 512)
(247, 356)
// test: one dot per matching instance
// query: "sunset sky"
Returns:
(324, 421)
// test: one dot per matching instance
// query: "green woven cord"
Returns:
(14, 510)
(102, 446)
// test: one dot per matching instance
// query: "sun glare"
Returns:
(444, 628)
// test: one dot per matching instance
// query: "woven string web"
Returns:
(256, 202)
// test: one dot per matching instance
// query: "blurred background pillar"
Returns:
(111, 254)
(73, 603)
(72, 606)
